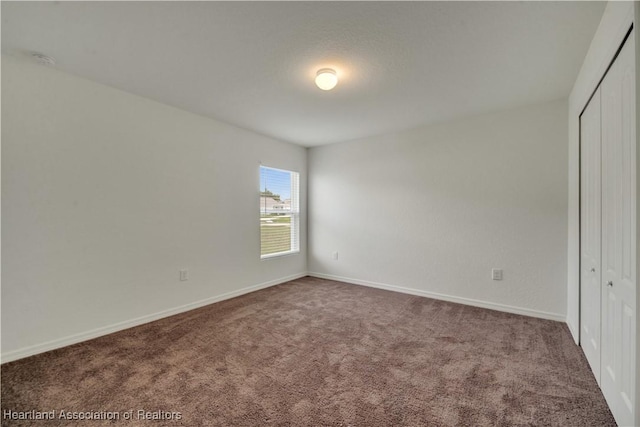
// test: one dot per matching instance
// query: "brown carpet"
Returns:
(316, 352)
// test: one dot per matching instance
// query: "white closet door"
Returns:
(590, 223)
(618, 235)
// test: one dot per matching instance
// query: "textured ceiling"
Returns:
(401, 64)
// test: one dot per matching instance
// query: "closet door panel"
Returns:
(618, 235)
(590, 247)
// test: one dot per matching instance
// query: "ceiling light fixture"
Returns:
(326, 79)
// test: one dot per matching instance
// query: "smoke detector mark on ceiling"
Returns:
(43, 59)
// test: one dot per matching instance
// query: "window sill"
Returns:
(279, 254)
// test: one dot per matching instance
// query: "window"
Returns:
(279, 212)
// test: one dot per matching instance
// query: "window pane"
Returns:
(279, 211)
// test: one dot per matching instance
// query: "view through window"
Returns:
(279, 212)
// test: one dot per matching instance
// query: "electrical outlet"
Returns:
(184, 275)
(334, 255)
(496, 274)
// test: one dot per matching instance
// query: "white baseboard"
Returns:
(105, 330)
(450, 298)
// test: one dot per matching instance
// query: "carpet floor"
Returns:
(315, 352)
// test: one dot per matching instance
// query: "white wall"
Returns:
(637, 379)
(615, 23)
(432, 210)
(107, 195)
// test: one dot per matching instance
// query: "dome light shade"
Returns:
(326, 79)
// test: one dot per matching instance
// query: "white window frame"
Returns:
(295, 214)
